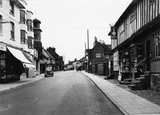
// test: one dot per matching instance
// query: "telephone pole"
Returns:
(88, 50)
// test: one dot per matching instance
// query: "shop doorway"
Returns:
(148, 53)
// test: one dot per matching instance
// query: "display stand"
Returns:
(136, 55)
(124, 65)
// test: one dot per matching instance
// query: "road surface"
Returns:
(67, 93)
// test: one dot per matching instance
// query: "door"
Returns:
(148, 53)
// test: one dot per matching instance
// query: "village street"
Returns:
(67, 93)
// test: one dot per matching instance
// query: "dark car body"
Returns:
(48, 72)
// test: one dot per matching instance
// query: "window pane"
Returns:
(22, 16)
(12, 30)
(23, 37)
(1, 24)
(0, 2)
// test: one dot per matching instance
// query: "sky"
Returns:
(64, 23)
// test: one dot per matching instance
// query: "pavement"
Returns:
(127, 102)
(4, 87)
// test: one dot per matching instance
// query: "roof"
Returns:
(107, 48)
(49, 54)
(36, 20)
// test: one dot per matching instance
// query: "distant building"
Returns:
(99, 58)
(38, 44)
(59, 63)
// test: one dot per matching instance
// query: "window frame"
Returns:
(133, 15)
(1, 25)
(1, 3)
(29, 25)
(156, 38)
(11, 7)
(30, 43)
(12, 31)
(23, 36)
(22, 17)
(98, 55)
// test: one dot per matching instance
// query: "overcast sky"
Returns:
(64, 23)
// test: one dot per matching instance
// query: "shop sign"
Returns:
(2, 47)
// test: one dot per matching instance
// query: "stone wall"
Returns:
(155, 82)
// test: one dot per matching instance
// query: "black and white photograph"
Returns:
(79, 57)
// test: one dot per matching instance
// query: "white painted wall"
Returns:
(5, 36)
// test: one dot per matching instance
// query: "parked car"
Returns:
(49, 72)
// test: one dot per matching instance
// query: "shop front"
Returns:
(13, 63)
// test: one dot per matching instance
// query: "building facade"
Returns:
(136, 40)
(16, 39)
(99, 58)
(38, 45)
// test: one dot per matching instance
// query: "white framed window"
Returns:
(23, 36)
(22, 17)
(29, 25)
(0, 2)
(1, 26)
(11, 7)
(98, 55)
(30, 44)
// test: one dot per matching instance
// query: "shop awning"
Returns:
(19, 55)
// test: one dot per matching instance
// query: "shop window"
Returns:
(22, 16)
(2, 64)
(12, 30)
(157, 45)
(11, 7)
(23, 36)
(29, 25)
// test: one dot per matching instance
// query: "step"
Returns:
(125, 82)
(133, 87)
(136, 82)
(128, 79)
(140, 78)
